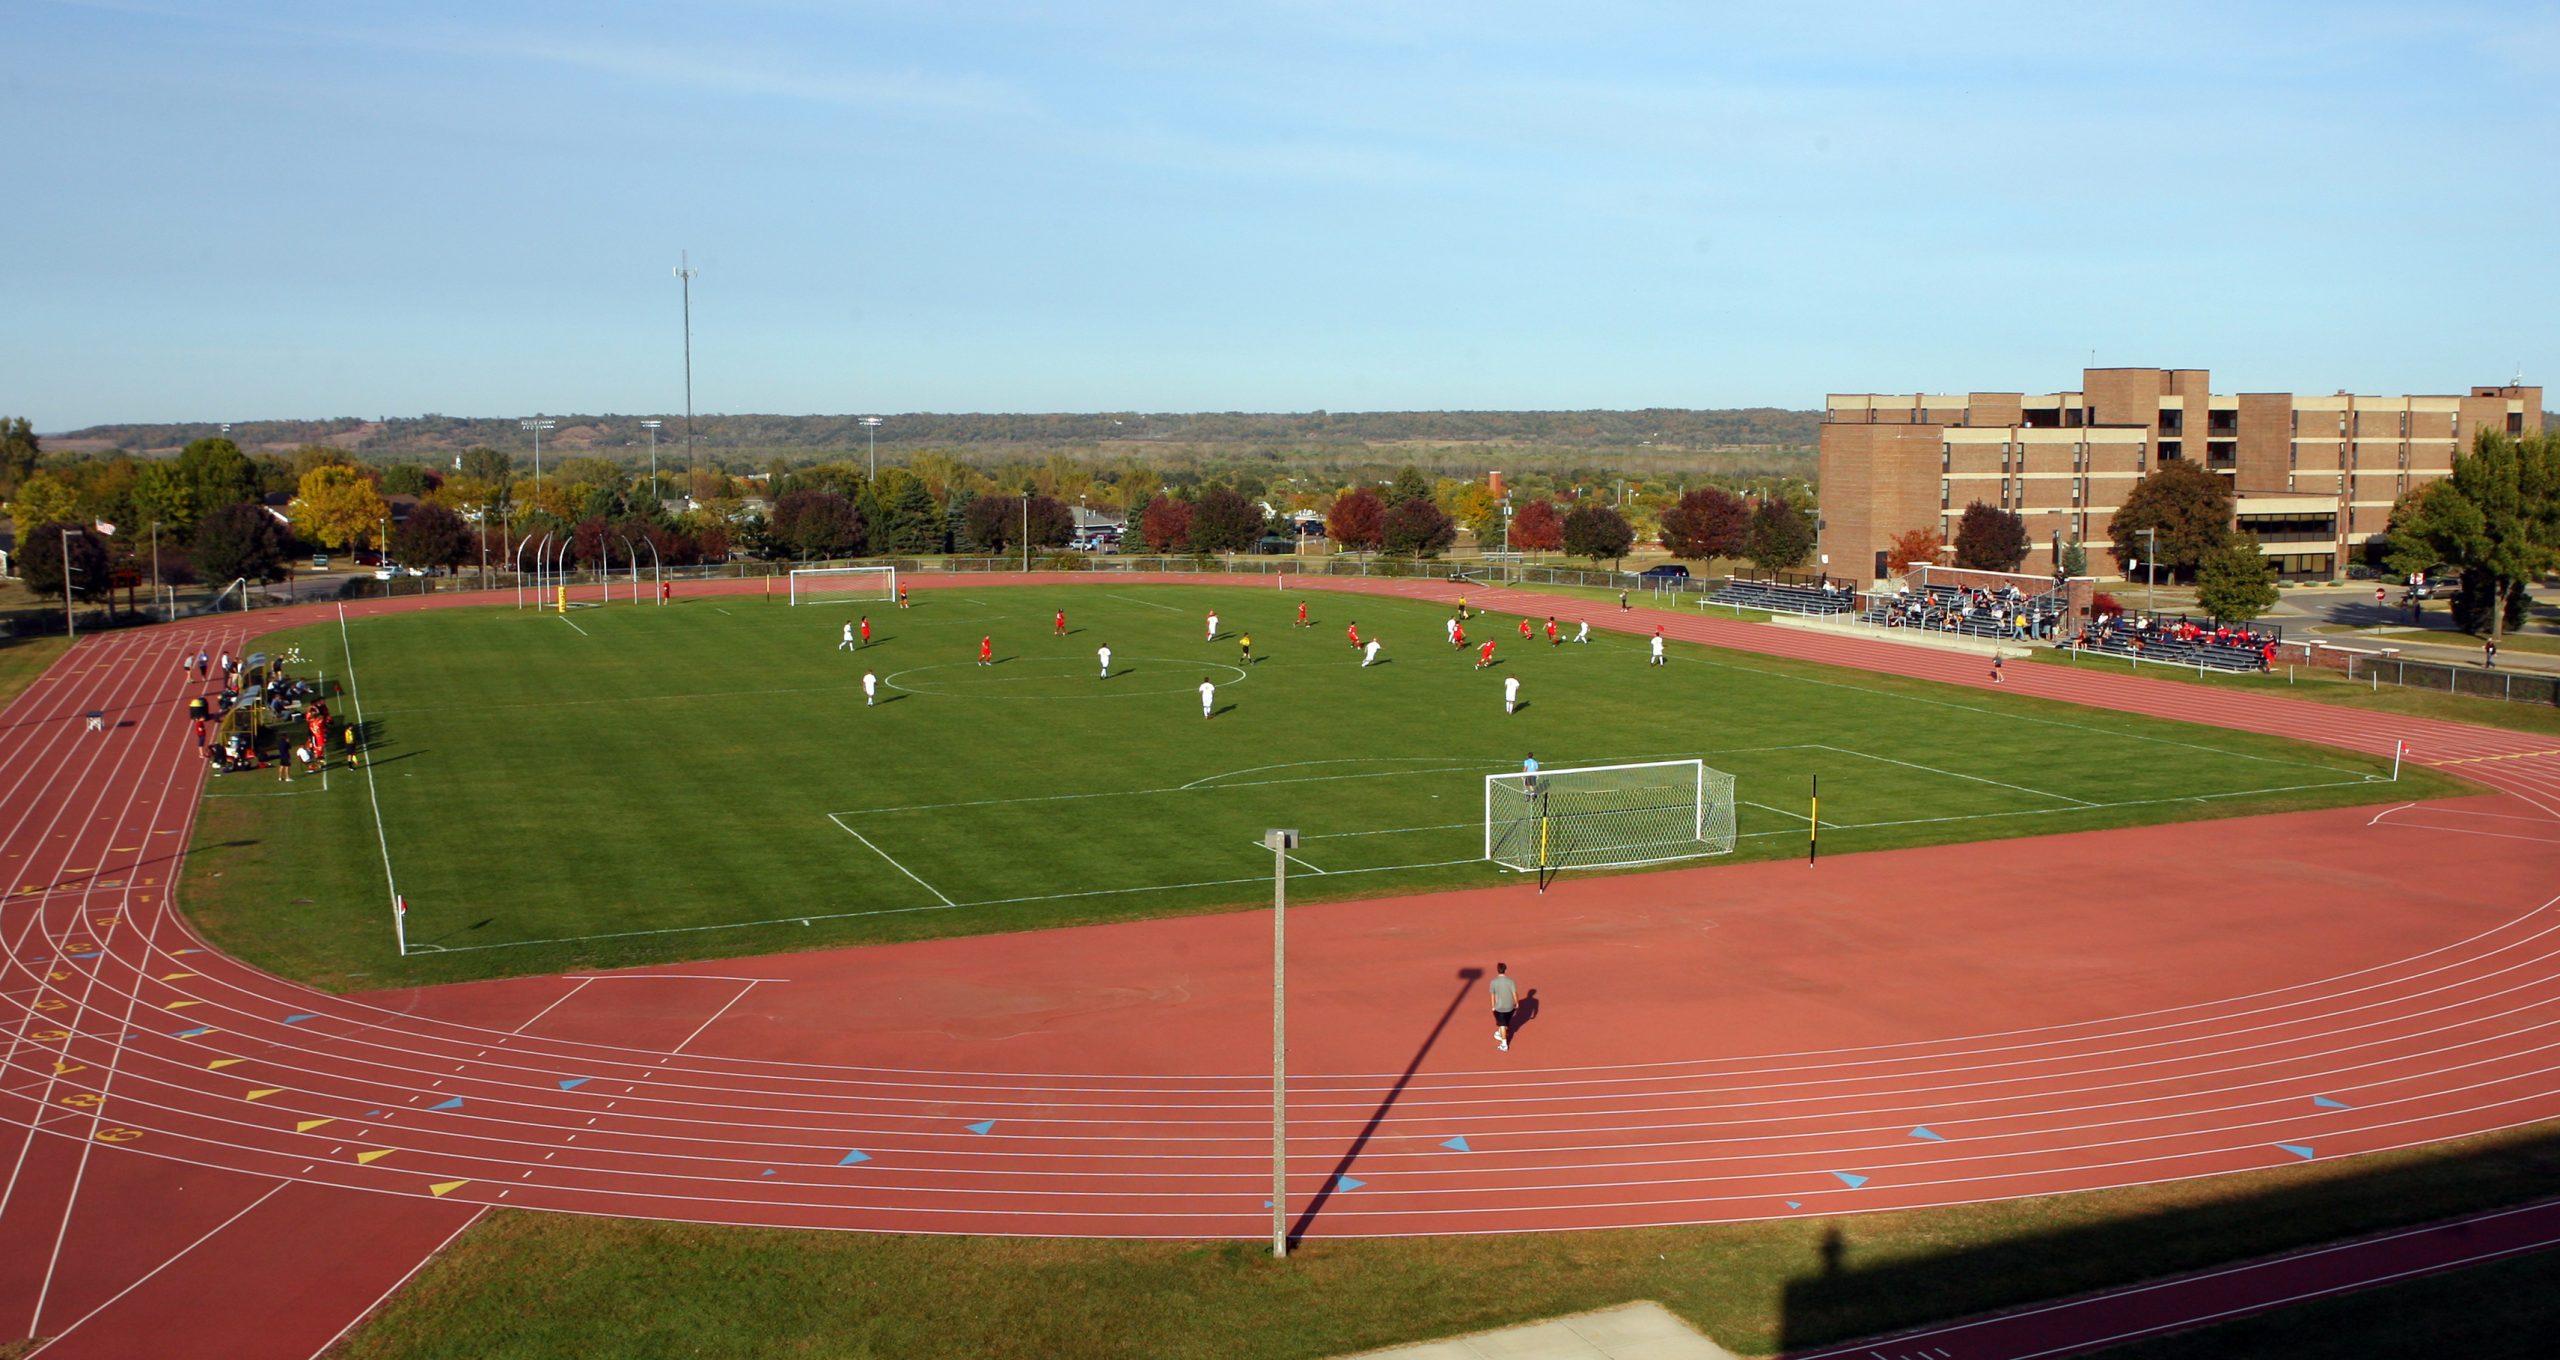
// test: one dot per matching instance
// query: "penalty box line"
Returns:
(893, 863)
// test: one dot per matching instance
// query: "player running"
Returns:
(1583, 634)
(870, 688)
(1354, 630)
(987, 650)
(1552, 639)
(1458, 637)
(1524, 629)
(1213, 627)
(1449, 627)
(1369, 654)
(1246, 655)
(1104, 651)
(1058, 626)
(1510, 693)
(1302, 615)
(866, 630)
(847, 644)
(1208, 696)
(1485, 658)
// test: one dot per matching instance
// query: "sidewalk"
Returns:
(1635, 1331)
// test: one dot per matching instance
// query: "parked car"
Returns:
(2438, 583)
(1668, 571)
(319, 561)
(368, 557)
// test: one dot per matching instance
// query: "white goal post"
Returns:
(815, 585)
(1607, 816)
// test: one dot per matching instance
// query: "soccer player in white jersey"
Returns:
(1208, 696)
(1510, 693)
(1105, 653)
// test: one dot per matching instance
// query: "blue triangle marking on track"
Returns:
(1347, 1184)
(186, 951)
(766, 1172)
(298, 1019)
(191, 1033)
(1795, 1204)
(857, 1155)
(2327, 1104)
(1924, 1131)
(1850, 1179)
(41, 958)
(983, 1126)
(90, 955)
(373, 1114)
(2301, 1150)
(1266, 1204)
(572, 1083)
(453, 1104)
(1458, 1144)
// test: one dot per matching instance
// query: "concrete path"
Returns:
(1637, 1331)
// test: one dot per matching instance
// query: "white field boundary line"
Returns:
(894, 864)
(372, 792)
(1952, 774)
(1151, 604)
(574, 624)
(1293, 859)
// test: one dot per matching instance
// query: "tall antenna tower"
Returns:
(684, 276)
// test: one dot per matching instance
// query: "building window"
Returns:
(1946, 458)
(1943, 492)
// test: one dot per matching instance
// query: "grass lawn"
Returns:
(632, 784)
(531, 1285)
(25, 659)
(2330, 687)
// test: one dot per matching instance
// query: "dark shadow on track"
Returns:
(1466, 983)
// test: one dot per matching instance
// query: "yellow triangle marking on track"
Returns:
(172, 977)
(443, 1188)
(262, 1093)
(377, 1154)
(307, 1125)
(220, 1063)
(180, 1005)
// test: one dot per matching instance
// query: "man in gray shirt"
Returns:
(1505, 997)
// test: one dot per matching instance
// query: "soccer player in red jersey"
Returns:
(987, 650)
(1484, 658)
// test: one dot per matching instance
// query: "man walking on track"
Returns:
(1059, 627)
(1104, 651)
(870, 688)
(1510, 693)
(1996, 659)
(1208, 695)
(987, 650)
(1506, 998)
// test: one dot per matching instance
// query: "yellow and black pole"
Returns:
(1813, 825)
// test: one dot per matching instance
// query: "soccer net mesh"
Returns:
(815, 585)
(1608, 816)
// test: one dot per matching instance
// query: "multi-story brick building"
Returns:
(2315, 477)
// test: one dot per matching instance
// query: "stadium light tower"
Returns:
(652, 427)
(537, 425)
(684, 276)
(871, 427)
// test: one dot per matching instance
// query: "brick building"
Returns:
(2314, 477)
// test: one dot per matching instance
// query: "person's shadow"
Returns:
(1527, 1010)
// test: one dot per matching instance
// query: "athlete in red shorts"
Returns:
(1485, 658)
(987, 650)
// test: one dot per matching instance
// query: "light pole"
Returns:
(537, 425)
(871, 429)
(652, 427)
(155, 567)
(70, 625)
(1281, 843)
(684, 276)
(2151, 566)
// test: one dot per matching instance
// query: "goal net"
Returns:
(817, 585)
(1607, 816)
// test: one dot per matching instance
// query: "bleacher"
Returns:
(1964, 613)
(1782, 597)
(2159, 647)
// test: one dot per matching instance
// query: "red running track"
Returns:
(201, 1151)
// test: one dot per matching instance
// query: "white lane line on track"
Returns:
(715, 1015)
(402, 1283)
(555, 1005)
(147, 1276)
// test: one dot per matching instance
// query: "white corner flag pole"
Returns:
(2397, 748)
(400, 923)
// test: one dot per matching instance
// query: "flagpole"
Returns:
(400, 923)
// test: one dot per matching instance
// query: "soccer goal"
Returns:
(1607, 816)
(818, 585)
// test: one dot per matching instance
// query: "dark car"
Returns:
(1668, 571)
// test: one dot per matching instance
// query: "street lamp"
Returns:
(537, 425)
(684, 275)
(2151, 567)
(652, 427)
(871, 429)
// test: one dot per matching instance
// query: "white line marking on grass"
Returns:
(372, 794)
(1954, 774)
(1764, 807)
(866, 841)
(574, 624)
(1389, 831)
(718, 610)
(1151, 604)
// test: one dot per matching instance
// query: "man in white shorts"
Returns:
(1105, 654)
(1368, 652)
(1657, 650)
(1213, 626)
(1208, 696)
(870, 688)
(847, 644)
(1510, 693)
(1583, 634)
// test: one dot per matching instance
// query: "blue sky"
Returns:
(243, 210)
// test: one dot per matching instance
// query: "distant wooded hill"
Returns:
(753, 437)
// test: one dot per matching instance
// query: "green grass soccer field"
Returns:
(633, 783)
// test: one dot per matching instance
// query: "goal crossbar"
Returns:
(1608, 816)
(812, 584)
